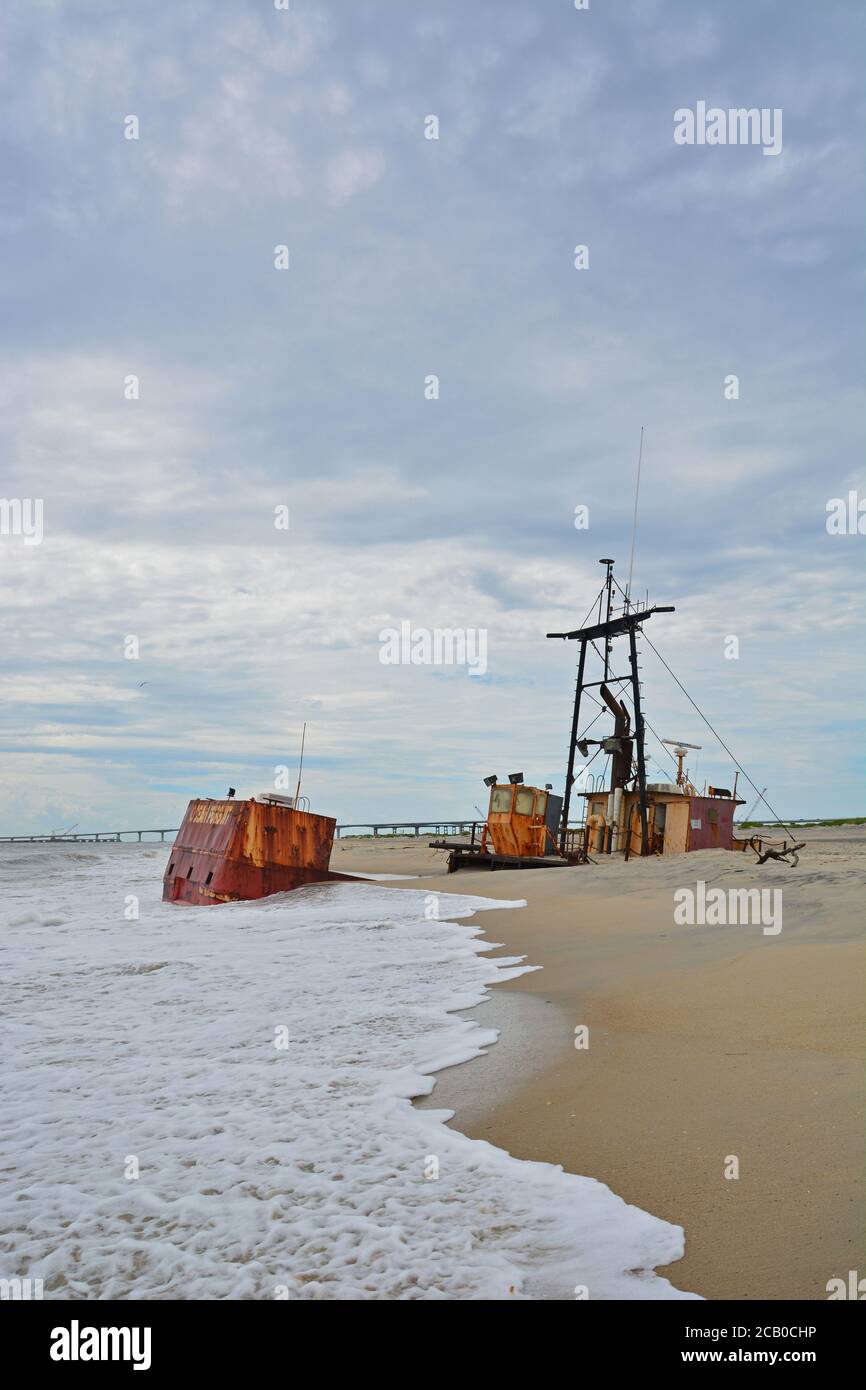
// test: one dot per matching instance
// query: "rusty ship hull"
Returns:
(233, 851)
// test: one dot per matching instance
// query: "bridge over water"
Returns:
(375, 828)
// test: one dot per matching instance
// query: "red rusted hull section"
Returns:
(711, 822)
(232, 851)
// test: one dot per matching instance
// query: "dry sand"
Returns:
(704, 1042)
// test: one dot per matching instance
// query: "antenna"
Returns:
(608, 584)
(681, 750)
(300, 766)
(634, 522)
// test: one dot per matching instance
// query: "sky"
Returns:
(171, 395)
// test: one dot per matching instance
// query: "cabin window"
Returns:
(171, 867)
(501, 800)
(189, 872)
(524, 801)
(209, 877)
(541, 804)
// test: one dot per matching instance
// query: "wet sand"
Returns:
(708, 1045)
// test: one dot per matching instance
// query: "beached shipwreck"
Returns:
(230, 851)
(527, 827)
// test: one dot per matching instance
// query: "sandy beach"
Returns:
(706, 1044)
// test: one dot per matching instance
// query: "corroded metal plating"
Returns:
(230, 851)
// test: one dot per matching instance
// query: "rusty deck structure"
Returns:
(230, 851)
(521, 832)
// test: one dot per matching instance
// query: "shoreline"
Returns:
(706, 1044)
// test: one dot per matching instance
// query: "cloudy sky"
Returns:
(262, 388)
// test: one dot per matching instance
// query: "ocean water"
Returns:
(213, 1103)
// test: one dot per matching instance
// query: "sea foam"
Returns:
(216, 1103)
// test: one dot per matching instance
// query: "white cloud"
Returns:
(305, 389)
(353, 171)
